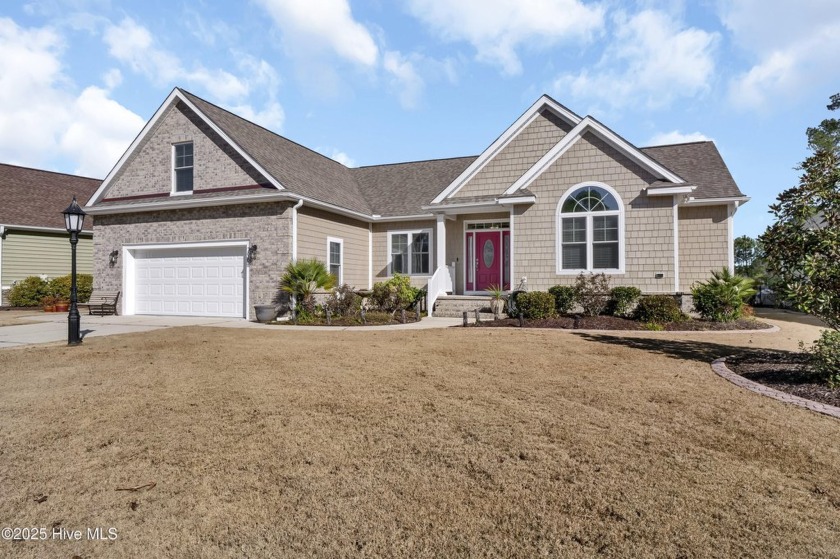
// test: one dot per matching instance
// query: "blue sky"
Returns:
(369, 82)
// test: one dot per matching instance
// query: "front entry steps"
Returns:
(453, 306)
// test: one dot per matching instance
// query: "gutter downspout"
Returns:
(2, 238)
(295, 209)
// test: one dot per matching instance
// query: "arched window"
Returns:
(590, 230)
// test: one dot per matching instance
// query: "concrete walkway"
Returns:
(52, 327)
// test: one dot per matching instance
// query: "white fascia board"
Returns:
(549, 158)
(170, 100)
(183, 204)
(737, 200)
(670, 190)
(502, 141)
(36, 229)
(590, 124)
(632, 152)
(517, 200)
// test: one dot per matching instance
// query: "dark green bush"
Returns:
(565, 297)
(60, 287)
(28, 292)
(394, 294)
(658, 309)
(536, 304)
(623, 298)
(723, 297)
(343, 301)
(825, 357)
(593, 293)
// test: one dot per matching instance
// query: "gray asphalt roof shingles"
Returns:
(402, 189)
(36, 198)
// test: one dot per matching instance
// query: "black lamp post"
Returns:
(74, 219)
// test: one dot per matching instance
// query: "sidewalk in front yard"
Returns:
(40, 328)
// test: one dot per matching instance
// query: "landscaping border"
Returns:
(720, 368)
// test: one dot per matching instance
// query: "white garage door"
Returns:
(190, 281)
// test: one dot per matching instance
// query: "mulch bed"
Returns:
(616, 323)
(372, 319)
(785, 371)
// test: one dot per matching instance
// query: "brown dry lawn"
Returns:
(16, 318)
(446, 443)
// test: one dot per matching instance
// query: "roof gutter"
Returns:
(737, 200)
(4, 229)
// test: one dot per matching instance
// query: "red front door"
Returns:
(488, 254)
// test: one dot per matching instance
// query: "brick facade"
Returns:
(149, 169)
(267, 225)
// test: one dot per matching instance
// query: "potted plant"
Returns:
(62, 305)
(497, 300)
(265, 313)
(48, 303)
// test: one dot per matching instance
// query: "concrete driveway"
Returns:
(41, 328)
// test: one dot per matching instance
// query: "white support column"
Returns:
(295, 229)
(370, 255)
(512, 251)
(2, 238)
(440, 241)
(730, 210)
(676, 244)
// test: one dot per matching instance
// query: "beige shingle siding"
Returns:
(517, 157)
(149, 169)
(28, 253)
(314, 226)
(704, 238)
(380, 248)
(648, 233)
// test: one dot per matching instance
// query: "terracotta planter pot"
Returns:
(62, 307)
(49, 308)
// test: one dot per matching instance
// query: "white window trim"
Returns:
(175, 192)
(411, 232)
(589, 237)
(340, 257)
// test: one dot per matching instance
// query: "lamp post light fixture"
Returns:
(74, 219)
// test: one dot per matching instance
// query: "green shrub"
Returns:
(343, 301)
(60, 287)
(28, 292)
(593, 293)
(565, 297)
(536, 304)
(658, 309)
(723, 297)
(622, 299)
(302, 278)
(395, 294)
(825, 357)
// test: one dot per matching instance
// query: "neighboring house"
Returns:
(33, 240)
(206, 209)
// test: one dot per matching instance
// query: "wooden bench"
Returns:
(102, 303)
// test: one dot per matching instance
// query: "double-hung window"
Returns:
(589, 231)
(335, 258)
(409, 252)
(182, 162)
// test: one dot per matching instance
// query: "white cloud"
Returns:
(272, 116)
(676, 137)
(112, 78)
(95, 116)
(404, 78)
(343, 158)
(327, 25)
(42, 120)
(794, 47)
(498, 28)
(652, 59)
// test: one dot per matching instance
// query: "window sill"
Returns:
(182, 193)
(609, 272)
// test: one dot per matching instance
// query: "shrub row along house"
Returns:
(206, 209)
(33, 240)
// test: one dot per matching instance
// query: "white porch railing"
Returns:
(439, 284)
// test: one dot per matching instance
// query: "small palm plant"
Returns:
(302, 278)
(497, 299)
(722, 298)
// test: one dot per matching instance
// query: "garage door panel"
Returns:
(195, 281)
